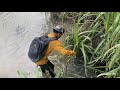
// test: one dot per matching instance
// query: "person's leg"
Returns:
(51, 69)
(43, 69)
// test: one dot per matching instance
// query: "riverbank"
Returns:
(74, 68)
(95, 38)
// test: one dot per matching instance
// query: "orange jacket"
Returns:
(54, 45)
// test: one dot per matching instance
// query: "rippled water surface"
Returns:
(17, 29)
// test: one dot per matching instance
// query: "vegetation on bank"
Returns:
(97, 36)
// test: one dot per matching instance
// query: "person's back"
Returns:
(54, 45)
(44, 63)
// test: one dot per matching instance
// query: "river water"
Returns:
(17, 29)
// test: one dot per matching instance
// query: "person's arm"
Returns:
(58, 47)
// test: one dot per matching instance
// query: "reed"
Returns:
(105, 27)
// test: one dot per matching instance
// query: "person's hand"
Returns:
(73, 53)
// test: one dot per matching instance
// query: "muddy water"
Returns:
(17, 29)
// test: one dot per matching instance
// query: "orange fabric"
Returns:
(54, 45)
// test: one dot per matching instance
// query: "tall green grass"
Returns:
(35, 74)
(100, 38)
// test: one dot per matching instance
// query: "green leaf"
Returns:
(110, 73)
(118, 45)
(98, 47)
(115, 57)
(85, 58)
(22, 74)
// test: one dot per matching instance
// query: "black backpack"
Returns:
(38, 46)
